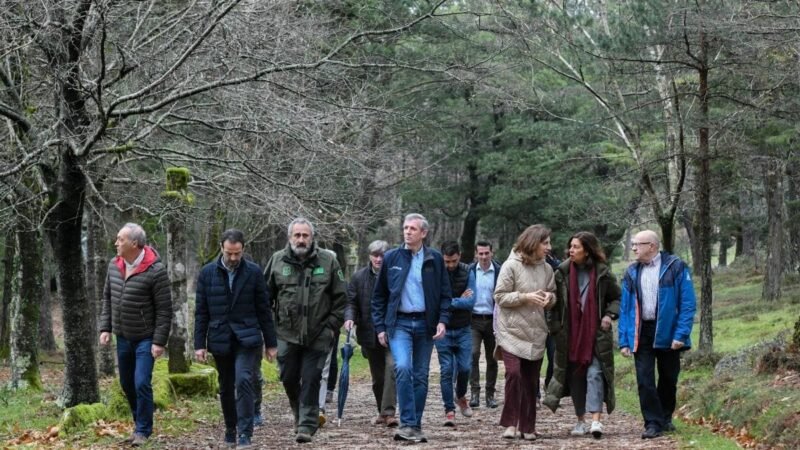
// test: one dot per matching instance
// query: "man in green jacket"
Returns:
(308, 293)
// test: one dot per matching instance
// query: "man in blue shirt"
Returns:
(410, 308)
(485, 272)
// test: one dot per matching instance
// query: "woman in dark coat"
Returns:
(587, 301)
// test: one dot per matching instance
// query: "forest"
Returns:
(486, 116)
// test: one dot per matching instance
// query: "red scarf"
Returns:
(582, 325)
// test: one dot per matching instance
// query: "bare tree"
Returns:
(114, 88)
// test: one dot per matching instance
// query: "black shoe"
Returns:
(230, 437)
(669, 427)
(650, 433)
(491, 402)
(475, 400)
(244, 442)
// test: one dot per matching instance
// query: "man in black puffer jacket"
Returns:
(455, 350)
(137, 308)
(232, 321)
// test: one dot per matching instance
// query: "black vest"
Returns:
(459, 318)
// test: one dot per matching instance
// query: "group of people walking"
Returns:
(405, 302)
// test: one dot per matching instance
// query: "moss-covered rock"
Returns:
(200, 381)
(80, 416)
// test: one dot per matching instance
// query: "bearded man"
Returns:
(307, 287)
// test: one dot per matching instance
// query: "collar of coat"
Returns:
(150, 258)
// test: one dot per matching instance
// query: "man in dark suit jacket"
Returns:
(232, 321)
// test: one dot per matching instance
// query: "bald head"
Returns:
(645, 245)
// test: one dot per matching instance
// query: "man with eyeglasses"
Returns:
(655, 324)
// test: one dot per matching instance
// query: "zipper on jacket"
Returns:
(301, 306)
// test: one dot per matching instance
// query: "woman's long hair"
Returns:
(529, 241)
(590, 245)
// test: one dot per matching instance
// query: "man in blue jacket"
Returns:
(232, 321)
(410, 308)
(655, 324)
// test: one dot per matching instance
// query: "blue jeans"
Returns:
(411, 348)
(135, 376)
(455, 358)
(236, 392)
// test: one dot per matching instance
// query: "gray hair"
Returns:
(136, 234)
(301, 221)
(378, 247)
(414, 216)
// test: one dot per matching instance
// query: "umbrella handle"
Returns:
(349, 334)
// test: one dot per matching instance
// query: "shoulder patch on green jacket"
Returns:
(341, 275)
(318, 271)
(287, 270)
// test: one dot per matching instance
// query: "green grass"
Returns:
(768, 411)
(749, 326)
(26, 409)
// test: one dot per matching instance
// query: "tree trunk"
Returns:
(796, 335)
(703, 196)
(5, 308)
(667, 225)
(25, 317)
(747, 219)
(47, 341)
(773, 264)
(724, 245)
(80, 335)
(178, 345)
(469, 234)
(694, 244)
(793, 213)
(95, 282)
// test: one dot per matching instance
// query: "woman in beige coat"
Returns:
(525, 288)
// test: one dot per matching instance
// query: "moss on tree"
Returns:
(81, 416)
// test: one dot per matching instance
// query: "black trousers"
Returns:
(301, 373)
(333, 373)
(550, 347)
(656, 400)
(384, 388)
(236, 393)
(482, 330)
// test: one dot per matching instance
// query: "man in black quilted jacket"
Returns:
(137, 308)
(233, 322)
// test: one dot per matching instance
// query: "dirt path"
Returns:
(479, 432)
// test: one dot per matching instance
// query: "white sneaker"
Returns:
(510, 433)
(597, 429)
(579, 430)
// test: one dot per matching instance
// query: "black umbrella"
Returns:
(344, 375)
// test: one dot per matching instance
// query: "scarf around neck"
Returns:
(582, 324)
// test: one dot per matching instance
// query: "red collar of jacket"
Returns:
(150, 257)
